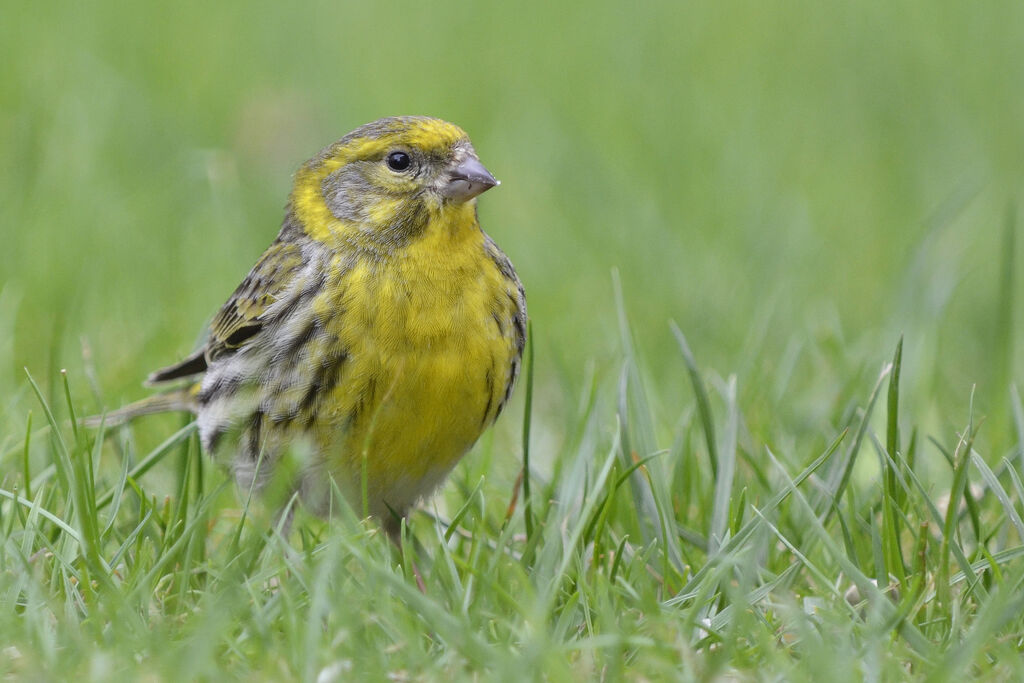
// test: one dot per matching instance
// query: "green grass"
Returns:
(623, 560)
(774, 429)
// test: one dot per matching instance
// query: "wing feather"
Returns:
(240, 318)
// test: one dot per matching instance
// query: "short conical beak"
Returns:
(467, 180)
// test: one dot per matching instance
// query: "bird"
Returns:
(380, 334)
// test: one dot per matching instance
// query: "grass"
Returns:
(773, 428)
(718, 555)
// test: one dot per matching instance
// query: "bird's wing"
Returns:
(241, 317)
(517, 313)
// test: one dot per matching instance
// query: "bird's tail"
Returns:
(179, 400)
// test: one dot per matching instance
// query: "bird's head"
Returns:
(386, 181)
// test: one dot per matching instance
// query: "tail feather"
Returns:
(179, 400)
(191, 366)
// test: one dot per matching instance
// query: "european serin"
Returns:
(381, 332)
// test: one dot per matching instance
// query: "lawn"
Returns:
(772, 424)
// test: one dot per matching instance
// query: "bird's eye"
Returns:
(399, 161)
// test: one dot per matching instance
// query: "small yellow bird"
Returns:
(380, 333)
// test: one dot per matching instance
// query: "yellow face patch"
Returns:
(432, 135)
(361, 190)
(384, 210)
(429, 136)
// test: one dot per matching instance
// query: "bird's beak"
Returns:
(468, 179)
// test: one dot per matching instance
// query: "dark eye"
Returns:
(398, 161)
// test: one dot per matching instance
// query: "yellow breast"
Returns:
(428, 362)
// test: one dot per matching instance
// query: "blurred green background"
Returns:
(774, 177)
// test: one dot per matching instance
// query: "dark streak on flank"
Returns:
(365, 397)
(284, 419)
(509, 386)
(255, 429)
(519, 321)
(222, 387)
(371, 389)
(314, 287)
(516, 306)
(489, 380)
(497, 321)
(213, 440)
(291, 348)
(324, 381)
(311, 289)
(514, 373)
(499, 259)
(290, 307)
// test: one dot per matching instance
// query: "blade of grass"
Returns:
(1018, 422)
(909, 632)
(1006, 603)
(936, 515)
(851, 455)
(61, 461)
(527, 420)
(118, 490)
(57, 521)
(75, 478)
(956, 492)
(701, 394)
(25, 469)
(147, 463)
(726, 470)
(892, 495)
(997, 488)
(744, 534)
